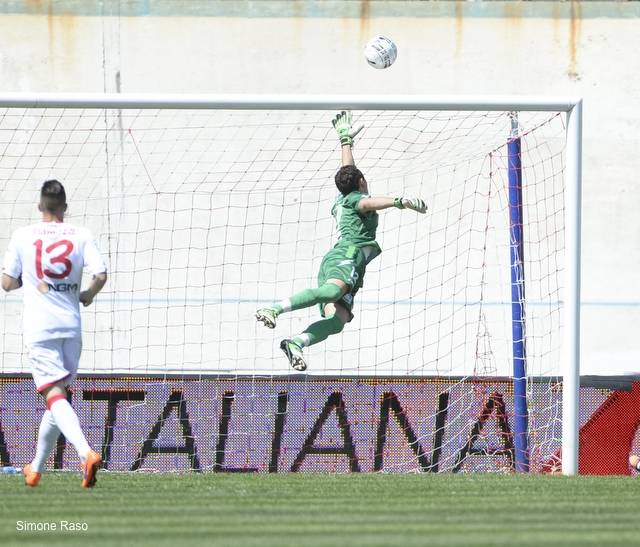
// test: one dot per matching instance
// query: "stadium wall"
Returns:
(547, 48)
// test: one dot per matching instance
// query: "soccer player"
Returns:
(48, 259)
(343, 267)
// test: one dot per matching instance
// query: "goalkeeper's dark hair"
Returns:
(53, 198)
(348, 179)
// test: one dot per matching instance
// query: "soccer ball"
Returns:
(380, 52)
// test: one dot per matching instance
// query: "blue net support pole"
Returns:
(520, 428)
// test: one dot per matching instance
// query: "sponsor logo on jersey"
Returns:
(57, 287)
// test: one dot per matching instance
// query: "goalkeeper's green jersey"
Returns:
(354, 228)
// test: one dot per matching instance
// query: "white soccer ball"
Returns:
(380, 52)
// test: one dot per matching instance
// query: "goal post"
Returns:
(573, 221)
(212, 204)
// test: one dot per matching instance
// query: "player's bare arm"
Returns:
(10, 283)
(367, 205)
(97, 283)
(347, 155)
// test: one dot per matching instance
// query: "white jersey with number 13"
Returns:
(50, 258)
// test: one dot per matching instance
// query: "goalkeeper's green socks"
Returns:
(309, 297)
(319, 331)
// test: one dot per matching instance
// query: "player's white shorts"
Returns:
(54, 360)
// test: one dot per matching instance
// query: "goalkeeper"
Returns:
(343, 267)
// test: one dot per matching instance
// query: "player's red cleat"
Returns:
(90, 469)
(31, 477)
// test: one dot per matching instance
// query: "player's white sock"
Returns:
(67, 421)
(47, 436)
(302, 340)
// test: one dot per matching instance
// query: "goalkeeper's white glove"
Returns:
(342, 124)
(416, 204)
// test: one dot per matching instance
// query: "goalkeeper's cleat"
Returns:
(267, 316)
(90, 467)
(31, 477)
(294, 353)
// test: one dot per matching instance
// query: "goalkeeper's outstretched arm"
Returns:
(366, 205)
(342, 124)
(347, 155)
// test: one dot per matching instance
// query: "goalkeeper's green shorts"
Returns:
(346, 263)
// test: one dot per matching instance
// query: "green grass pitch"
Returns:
(323, 509)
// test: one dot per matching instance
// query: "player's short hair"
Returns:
(348, 179)
(53, 198)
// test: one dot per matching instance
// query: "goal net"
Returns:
(206, 214)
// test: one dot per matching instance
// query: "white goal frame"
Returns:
(572, 106)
